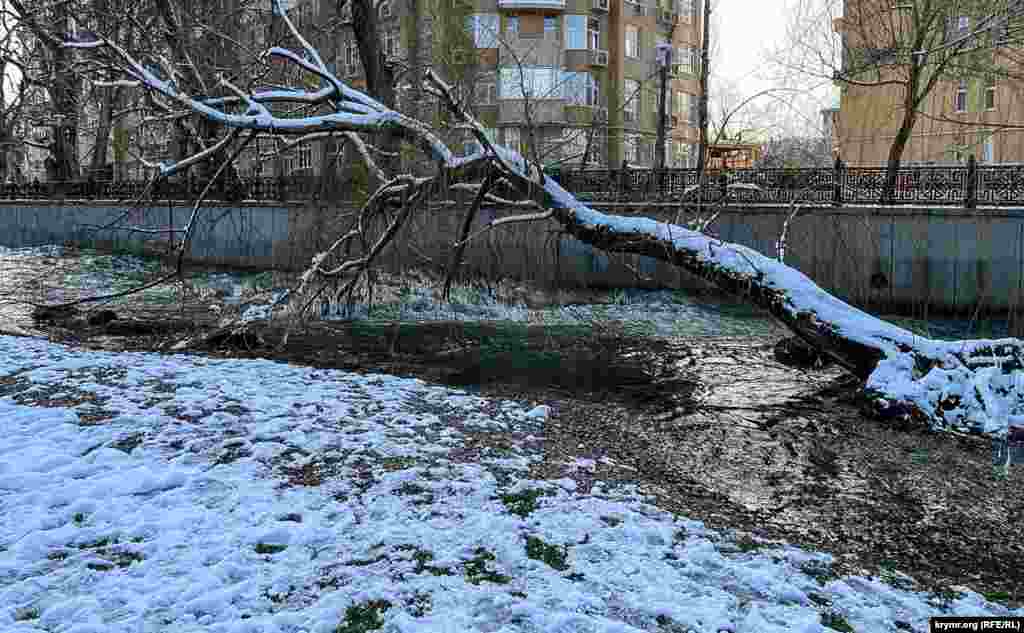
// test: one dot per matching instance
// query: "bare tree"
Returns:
(903, 51)
(966, 385)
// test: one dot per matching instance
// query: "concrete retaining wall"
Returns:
(951, 259)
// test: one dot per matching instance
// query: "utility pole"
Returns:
(702, 111)
(664, 57)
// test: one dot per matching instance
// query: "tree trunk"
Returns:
(110, 100)
(895, 155)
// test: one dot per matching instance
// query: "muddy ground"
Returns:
(713, 428)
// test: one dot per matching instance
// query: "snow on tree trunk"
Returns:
(969, 386)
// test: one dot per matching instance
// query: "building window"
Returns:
(512, 26)
(963, 24)
(594, 33)
(680, 105)
(960, 102)
(631, 100)
(537, 82)
(486, 93)
(579, 88)
(987, 149)
(959, 148)
(550, 26)
(989, 96)
(484, 29)
(685, 61)
(304, 157)
(575, 32)
(513, 139)
(686, 11)
(351, 58)
(632, 41)
(631, 148)
(390, 43)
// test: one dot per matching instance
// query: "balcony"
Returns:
(598, 57)
(667, 18)
(531, 4)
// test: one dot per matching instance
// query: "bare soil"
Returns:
(712, 428)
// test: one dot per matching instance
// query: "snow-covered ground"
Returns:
(141, 492)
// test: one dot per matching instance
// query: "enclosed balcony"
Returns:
(532, 4)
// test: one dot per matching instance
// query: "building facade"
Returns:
(558, 80)
(966, 113)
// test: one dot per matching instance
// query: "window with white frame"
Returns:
(535, 82)
(485, 92)
(680, 105)
(963, 25)
(989, 93)
(351, 58)
(686, 11)
(960, 100)
(484, 29)
(391, 43)
(987, 148)
(594, 33)
(631, 100)
(632, 41)
(631, 148)
(550, 26)
(579, 88)
(686, 60)
(512, 138)
(512, 26)
(304, 156)
(575, 32)
(678, 154)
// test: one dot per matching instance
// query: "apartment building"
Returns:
(966, 113)
(559, 80)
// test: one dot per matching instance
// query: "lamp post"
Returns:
(663, 54)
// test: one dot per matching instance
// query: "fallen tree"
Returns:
(968, 386)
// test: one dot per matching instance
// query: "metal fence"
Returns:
(967, 186)
(296, 188)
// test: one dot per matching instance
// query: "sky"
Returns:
(746, 32)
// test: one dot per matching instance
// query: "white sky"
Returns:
(746, 30)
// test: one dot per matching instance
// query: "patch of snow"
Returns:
(323, 494)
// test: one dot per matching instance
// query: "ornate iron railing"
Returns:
(968, 185)
(963, 186)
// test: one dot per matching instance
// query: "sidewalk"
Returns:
(142, 492)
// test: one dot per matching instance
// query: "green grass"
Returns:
(820, 571)
(746, 543)
(360, 618)
(477, 572)
(946, 597)
(919, 457)
(524, 502)
(420, 604)
(26, 613)
(997, 596)
(836, 622)
(259, 281)
(551, 555)
(422, 558)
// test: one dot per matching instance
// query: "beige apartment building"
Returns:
(962, 116)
